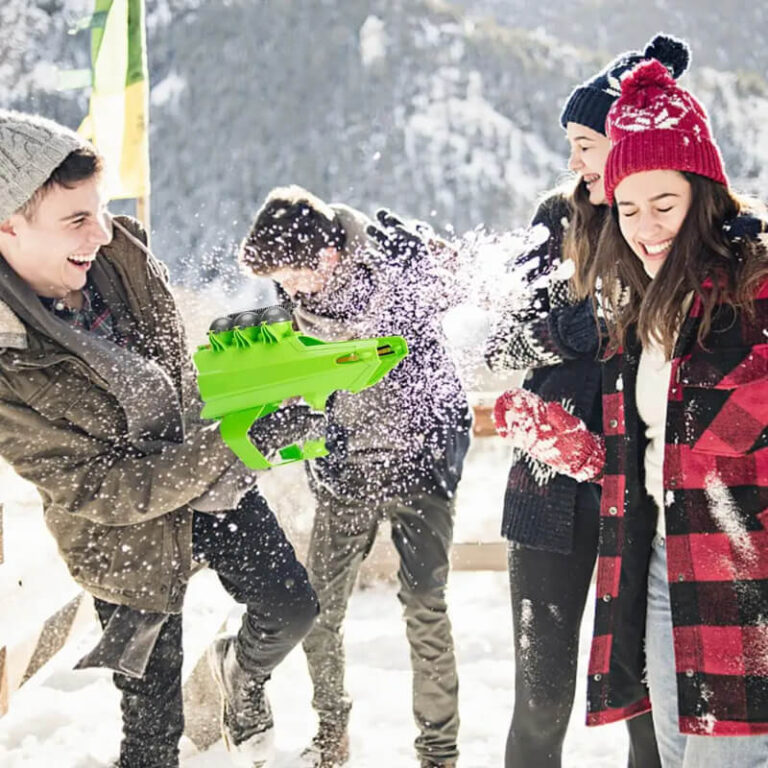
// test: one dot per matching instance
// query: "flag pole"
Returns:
(143, 212)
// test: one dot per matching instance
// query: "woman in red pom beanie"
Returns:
(655, 124)
(682, 584)
(688, 472)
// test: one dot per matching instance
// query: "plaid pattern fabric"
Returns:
(716, 508)
(94, 316)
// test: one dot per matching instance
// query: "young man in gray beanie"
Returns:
(98, 408)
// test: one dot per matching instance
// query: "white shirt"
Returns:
(653, 375)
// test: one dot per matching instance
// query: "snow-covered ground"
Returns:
(68, 719)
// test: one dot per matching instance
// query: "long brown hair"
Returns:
(580, 242)
(701, 253)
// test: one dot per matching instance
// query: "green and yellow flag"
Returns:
(118, 119)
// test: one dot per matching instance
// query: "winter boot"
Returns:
(246, 717)
(118, 764)
(161, 764)
(329, 748)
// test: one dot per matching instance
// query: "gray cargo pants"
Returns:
(422, 530)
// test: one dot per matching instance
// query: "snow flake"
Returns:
(373, 41)
(614, 85)
(526, 624)
(707, 723)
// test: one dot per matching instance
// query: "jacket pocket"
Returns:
(84, 546)
(725, 400)
(56, 399)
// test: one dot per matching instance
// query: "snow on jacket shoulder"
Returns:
(716, 497)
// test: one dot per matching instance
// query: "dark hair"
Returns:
(290, 230)
(77, 166)
(581, 238)
(700, 252)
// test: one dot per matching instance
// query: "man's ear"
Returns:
(7, 227)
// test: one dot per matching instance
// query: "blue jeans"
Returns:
(680, 750)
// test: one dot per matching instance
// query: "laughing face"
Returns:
(652, 207)
(53, 250)
(589, 151)
(295, 280)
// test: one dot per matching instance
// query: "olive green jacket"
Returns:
(120, 515)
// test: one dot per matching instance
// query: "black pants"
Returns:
(257, 566)
(549, 591)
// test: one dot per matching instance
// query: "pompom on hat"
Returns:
(589, 103)
(31, 148)
(656, 125)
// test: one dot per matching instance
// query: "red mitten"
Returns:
(550, 434)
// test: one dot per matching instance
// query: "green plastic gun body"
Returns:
(245, 373)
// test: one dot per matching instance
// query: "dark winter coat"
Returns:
(409, 432)
(556, 339)
(716, 516)
(118, 515)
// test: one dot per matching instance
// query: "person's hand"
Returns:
(743, 227)
(286, 426)
(550, 434)
(402, 244)
(576, 330)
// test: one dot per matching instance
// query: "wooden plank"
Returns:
(56, 631)
(3, 682)
(26, 657)
(202, 704)
(383, 561)
(482, 422)
(479, 556)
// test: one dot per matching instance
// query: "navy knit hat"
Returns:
(589, 103)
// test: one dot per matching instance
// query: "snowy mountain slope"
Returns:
(717, 32)
(411, 104)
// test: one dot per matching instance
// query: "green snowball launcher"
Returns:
(245, 373)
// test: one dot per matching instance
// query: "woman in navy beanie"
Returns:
(551, 520)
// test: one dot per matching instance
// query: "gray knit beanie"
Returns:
(31, 148)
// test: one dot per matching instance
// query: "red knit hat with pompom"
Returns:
(656, 125)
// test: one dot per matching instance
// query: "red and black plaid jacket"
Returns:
(716, 508)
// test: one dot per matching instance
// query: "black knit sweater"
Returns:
(556, 339)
